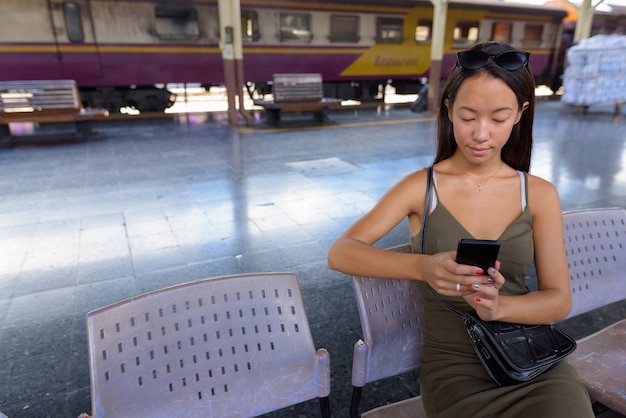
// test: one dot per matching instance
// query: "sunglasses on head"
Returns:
(509, 60)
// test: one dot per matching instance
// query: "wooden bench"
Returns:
(44, 101)
(297, 92)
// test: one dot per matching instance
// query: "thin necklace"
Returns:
(479, 184)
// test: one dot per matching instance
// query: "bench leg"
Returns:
(84, 129)
(273, 116)
(5, 136)
(320, 115)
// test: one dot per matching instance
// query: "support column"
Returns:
(232, 56)
(585, 20)
(440, 13)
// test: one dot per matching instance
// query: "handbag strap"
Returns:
(427, 200)
(448, 307)
(427, 203)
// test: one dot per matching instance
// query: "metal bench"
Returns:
(229, 346)
(44, 101)
(391, 317)
(392, 322)
(298, 93)
(595, 241)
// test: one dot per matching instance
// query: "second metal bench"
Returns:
(297, 92)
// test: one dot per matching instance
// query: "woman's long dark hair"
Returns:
(517, 151)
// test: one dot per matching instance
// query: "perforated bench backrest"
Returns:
(595, 243)
(297, 87)
(392, 321)
(39, 96)
(226, 346)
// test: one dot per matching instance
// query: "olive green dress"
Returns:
(453, 382)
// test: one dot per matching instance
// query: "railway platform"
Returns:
(155, 202)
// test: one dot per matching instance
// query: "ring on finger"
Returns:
(458, 287)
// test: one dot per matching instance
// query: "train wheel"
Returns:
(370, 92)
(149, 99)
(151, 104)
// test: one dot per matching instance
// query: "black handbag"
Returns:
(511, 353)
(515, 353)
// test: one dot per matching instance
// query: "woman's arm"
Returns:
(552, 302)
(353, 252)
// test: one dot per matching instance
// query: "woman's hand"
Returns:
(484, 297)
(449, 278)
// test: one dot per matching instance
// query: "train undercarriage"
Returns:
(142, 98)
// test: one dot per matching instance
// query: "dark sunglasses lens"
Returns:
(511, 60)
(472, 60)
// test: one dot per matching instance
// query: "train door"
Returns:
(75, 37)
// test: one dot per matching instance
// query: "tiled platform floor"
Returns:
(157, 202)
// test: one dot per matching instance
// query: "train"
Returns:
(125, 53)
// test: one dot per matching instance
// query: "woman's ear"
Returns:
(521, 111)
(446, 102)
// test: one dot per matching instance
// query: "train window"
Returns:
(423, 30)
(73, 22)
(389, 30)
(344, 28)
(176, 23)
(533, 34)
(250, 26)
(295, 27)
(466, 32)
(501, 32)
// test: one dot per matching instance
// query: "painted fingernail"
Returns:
(480, 272)
(490, 280)
(477, 300)
(476, 286)
(492, 270)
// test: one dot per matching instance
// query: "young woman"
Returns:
(481, 189)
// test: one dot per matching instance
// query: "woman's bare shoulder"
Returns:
(410, 190)
(540, 185)
(415, 178)
(543, 196)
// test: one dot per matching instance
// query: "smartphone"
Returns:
(481, 253)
